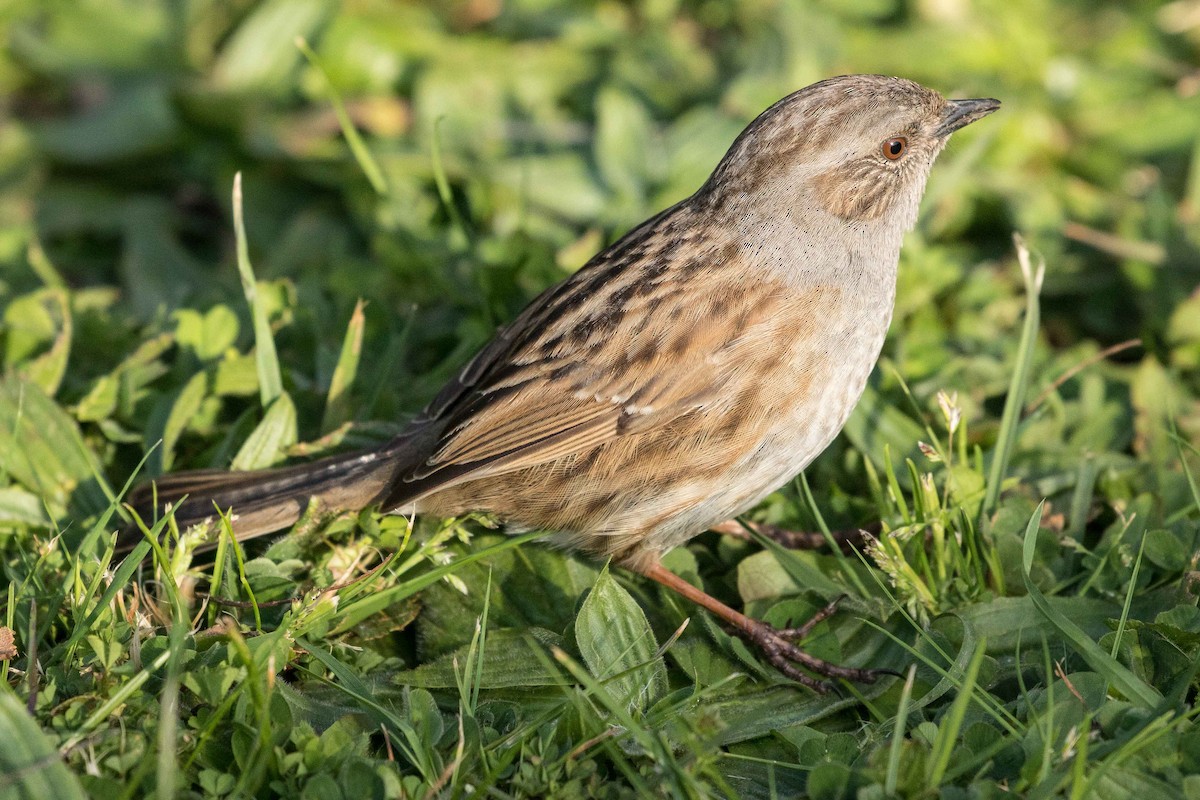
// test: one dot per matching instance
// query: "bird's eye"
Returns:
(895, 147)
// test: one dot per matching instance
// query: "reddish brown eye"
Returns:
(894, 148)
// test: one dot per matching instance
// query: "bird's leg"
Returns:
(779, 646)
(795, 540)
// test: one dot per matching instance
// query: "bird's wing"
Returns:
(615, 350)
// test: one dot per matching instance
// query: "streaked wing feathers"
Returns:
(615, 350)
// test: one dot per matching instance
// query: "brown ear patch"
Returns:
(860, 190)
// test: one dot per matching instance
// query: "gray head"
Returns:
(856, 149)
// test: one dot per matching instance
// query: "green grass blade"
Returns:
(270, 379)
(260, 756)
(468, 679)
(349, 682)
(1129, 592)
(892, 775)
(1181, 445)
(167, 763)
(120, 579)
(240, 560)
(809, 500)
(115, 700)
(893, 484)
(337, 403)
(376, 602)
(443, 187)
(951, 724)
(42, 266)
(1081, 497)
(362, 154)
(1120, 677)
(1019, 385)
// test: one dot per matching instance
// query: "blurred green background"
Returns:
(561, 125)
(514, 139)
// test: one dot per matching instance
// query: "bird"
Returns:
(680, 376)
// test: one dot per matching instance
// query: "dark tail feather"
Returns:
(266, 500)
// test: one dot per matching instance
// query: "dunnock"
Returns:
(683, 374)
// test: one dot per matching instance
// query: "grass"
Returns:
(405, 177)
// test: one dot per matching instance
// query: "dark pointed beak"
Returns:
(960, 113)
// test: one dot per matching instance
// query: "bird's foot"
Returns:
(780, 647)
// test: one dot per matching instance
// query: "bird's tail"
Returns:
(264, 501)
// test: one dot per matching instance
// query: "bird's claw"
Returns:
(780, 647)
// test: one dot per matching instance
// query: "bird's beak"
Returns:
(960, 113)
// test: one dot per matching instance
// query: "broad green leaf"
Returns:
(508, 662)
(208, 335)
(830, 781)
(134, 371)
(101, 400)
(183, 410)
(559, 182)
(1156, 398)
(261, 54)
(701, 658)
(41, 448)
(236, 375)
(138, 119)
(1183, 329)
(624, 140)
(276, 432)
(30, 765)
(618, 645)
(39, 321)
(772, 574)
(1121, 782)
(19, 505)
(425, 716)
(156, 270)
(533, 586)
(93, 37)
(1008, 621)
(1169, 549)
(751, 713)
